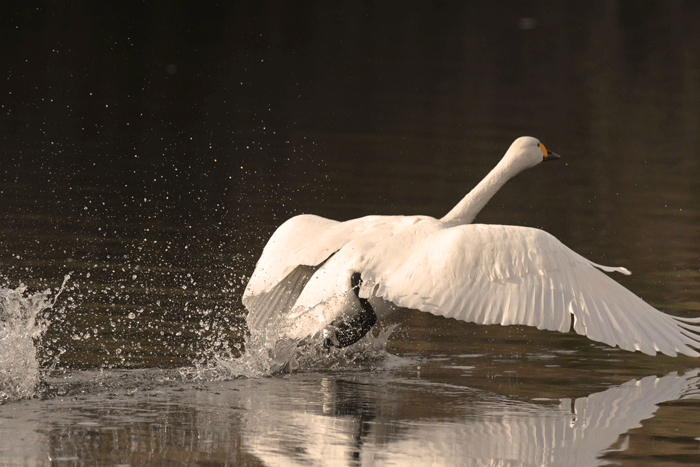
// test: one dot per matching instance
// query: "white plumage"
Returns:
(488, 274)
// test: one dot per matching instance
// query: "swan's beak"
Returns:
(550, 156)
(547, 155)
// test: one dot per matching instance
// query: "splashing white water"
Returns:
(21, 326)
(257, 362)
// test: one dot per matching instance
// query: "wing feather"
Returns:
(288, 248)
(294, 253)
(264, 308)
(310, 240)
(518, 275)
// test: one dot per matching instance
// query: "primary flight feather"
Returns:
(320, 277)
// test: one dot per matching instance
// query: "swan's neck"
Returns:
(467, 209)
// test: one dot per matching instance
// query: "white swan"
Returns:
(319, 275)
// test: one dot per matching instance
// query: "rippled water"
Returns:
(148, 154)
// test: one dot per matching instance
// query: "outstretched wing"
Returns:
(279, 300)
(283, 252)
(285, 266)
(293, 254)
(493, 274)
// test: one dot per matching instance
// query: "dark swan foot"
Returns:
(352, 328)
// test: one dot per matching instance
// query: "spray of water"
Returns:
(21, 327)
(258, 360)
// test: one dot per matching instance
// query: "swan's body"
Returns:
(317, 276)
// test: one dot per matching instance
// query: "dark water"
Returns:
(149, 153)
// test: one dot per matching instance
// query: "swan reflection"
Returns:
(359, 424)
(315, 419)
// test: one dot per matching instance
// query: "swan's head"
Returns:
(526, 152)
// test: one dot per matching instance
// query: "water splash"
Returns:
(257, 361)
(21, 326)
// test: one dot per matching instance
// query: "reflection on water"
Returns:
(386, 417)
